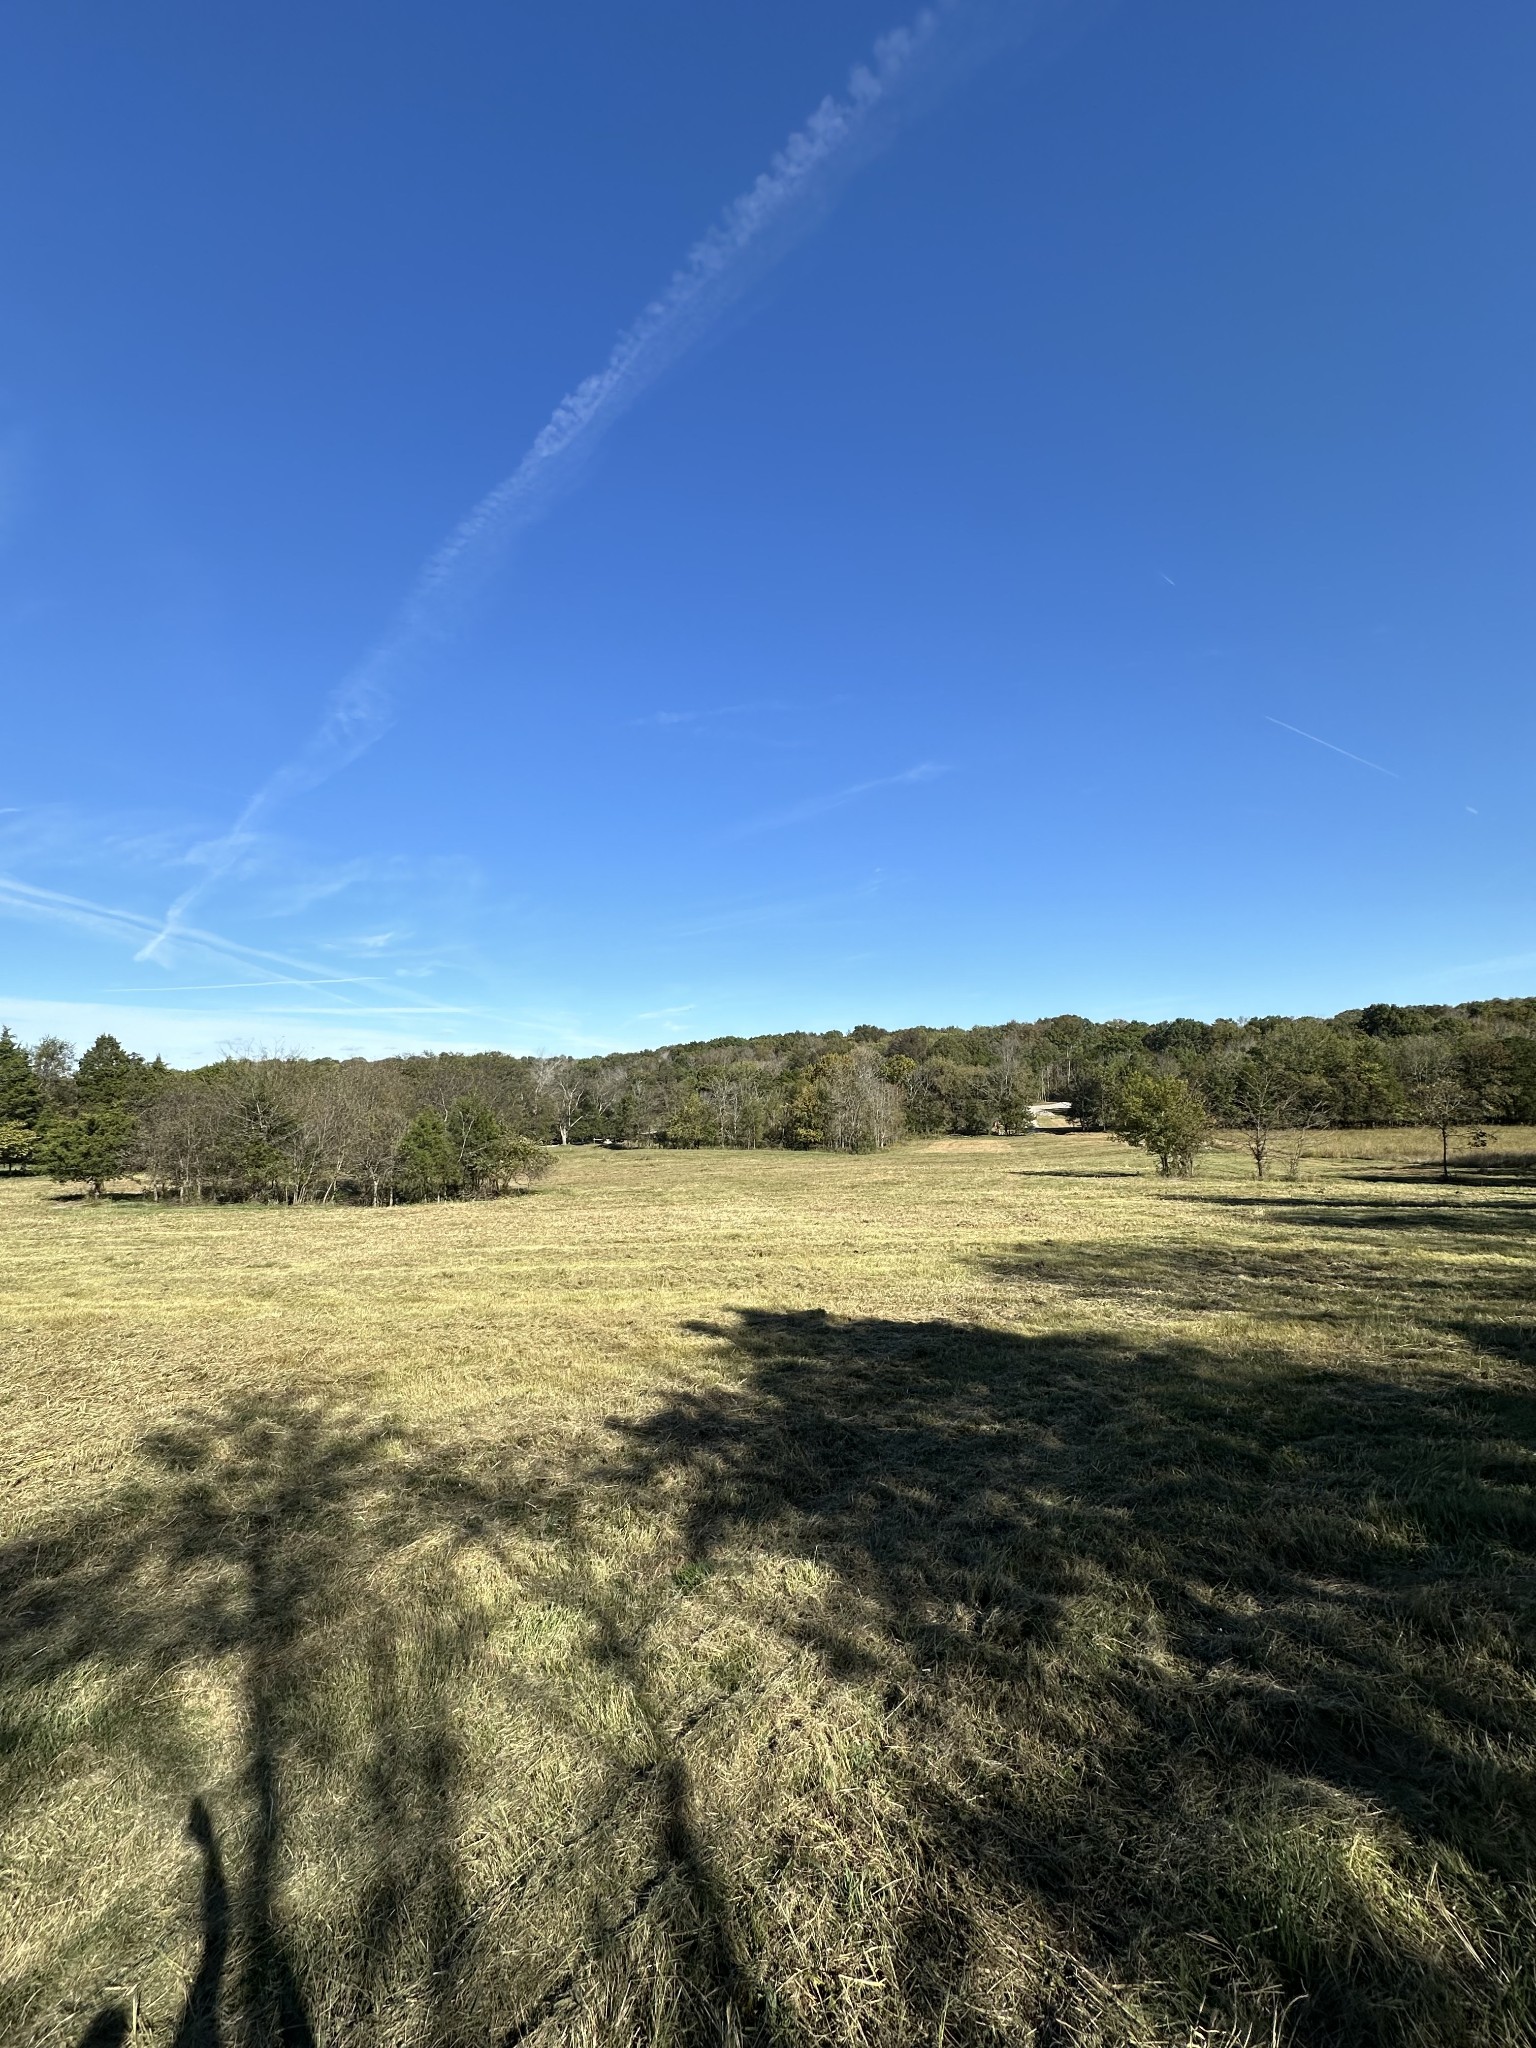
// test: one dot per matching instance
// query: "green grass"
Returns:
(976, 1594)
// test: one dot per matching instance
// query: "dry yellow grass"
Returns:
(978, 1593)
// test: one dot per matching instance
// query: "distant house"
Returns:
(1050, 1116)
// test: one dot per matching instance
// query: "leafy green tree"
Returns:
(1517, 1080)
(925, 1094)
(1094, 1090)
(18, 1142)
(429, 1166)
(1362, 1088)
(92, 1146)
(21, 1099)
(1385, 1020)
(690, 1123)
(1163, 1115)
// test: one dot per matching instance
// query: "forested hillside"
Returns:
(454, 1124)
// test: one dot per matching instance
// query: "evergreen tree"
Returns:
(477, 1140)
(21, 1099)
(110, 1078)
(429, 1165)
(91, 1146)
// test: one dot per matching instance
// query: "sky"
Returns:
(585, 527)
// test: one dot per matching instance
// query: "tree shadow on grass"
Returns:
(1208, 1674)
(1204, 1688)
(310, 1560)
(1298, 1259)
(1341, 1286)
(1491, 1219)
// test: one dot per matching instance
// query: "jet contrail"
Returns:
(1312, 736)
(107, 921)
(755, 230)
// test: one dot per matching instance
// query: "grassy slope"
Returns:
(980, 1593)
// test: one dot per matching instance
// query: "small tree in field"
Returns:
(92, 1147)
(1163, 1115)
(1270, 1097)
(1437, 1091)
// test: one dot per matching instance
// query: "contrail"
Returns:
(1312, 736)
(107, 921)
(755, 230)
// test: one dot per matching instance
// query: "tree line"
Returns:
(439, 1126)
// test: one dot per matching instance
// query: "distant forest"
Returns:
(441, 1125)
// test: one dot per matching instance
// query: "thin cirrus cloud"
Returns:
(187, 988)
(758, 228)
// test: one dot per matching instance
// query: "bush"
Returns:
(523, 1161)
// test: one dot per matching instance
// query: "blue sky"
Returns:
(920, 622)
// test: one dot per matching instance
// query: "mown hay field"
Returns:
(980, 1593)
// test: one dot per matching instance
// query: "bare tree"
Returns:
(376, 1112)
(1435, 1084)
(53, 1063)
(563, 1086)
(862, 1110)
(1015, 1084)
(1268, 1099)
(183, 1139)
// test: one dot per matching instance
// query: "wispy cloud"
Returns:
(267, 970)
(755, 230)
(186, 988)
(1348, 756)
(835, 799)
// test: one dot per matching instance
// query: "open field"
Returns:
(979, 1593)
